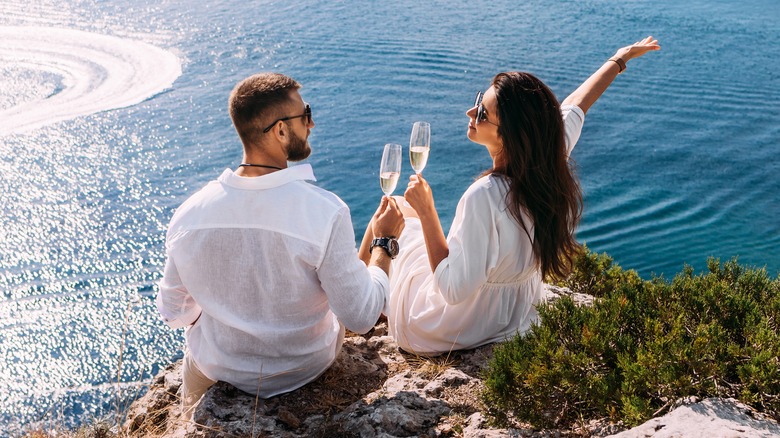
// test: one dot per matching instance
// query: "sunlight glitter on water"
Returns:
(81, 222)
(77, 266)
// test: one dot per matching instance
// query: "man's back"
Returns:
(261, 266)
(266, 259)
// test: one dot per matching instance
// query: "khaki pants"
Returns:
(193, 385)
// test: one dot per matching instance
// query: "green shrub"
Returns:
(595, 274)
(642, 346)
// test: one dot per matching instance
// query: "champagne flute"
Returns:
(390, 168)
(420, 145)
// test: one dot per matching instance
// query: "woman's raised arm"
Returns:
(586, 94)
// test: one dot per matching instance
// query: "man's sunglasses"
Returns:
(306, 113)
(481, 116)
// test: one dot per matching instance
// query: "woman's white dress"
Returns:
(486, 289)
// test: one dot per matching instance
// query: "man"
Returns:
(261, 265)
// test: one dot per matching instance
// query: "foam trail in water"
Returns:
(98, 73)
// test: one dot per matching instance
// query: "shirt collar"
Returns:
(301, 172)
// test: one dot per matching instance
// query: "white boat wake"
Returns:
(96, 73)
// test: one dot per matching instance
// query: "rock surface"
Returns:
(712, 417)
(375, 390)
(372, 389)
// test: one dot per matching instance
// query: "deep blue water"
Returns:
(678, 160)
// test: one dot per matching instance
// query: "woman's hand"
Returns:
(637, 49)
(419, 195)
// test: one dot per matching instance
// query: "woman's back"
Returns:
(487, 287)
(483, 292)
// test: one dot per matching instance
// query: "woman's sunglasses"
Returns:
(481, 116)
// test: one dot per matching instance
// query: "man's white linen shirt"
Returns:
(266, 267)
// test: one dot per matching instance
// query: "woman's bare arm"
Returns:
(588, 93)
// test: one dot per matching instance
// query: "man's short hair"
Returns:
(257, 99)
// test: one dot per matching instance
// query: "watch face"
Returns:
(389, 244)
(392, 245)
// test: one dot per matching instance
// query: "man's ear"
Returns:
(281, 132)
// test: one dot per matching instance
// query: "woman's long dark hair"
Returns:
(535, 162)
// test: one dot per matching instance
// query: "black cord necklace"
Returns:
(259, 165)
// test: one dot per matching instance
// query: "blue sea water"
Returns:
(678, 160)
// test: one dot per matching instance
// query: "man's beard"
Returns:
(298, 149)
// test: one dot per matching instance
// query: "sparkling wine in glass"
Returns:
(390, 168)
(420, 145)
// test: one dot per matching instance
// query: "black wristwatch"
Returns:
(389, 244)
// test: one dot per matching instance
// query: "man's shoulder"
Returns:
(195, 201)
(208, 190)
(321, 196)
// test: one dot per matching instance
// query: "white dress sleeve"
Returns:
(573, 118)
(473, 247)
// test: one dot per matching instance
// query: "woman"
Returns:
(513, 226)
